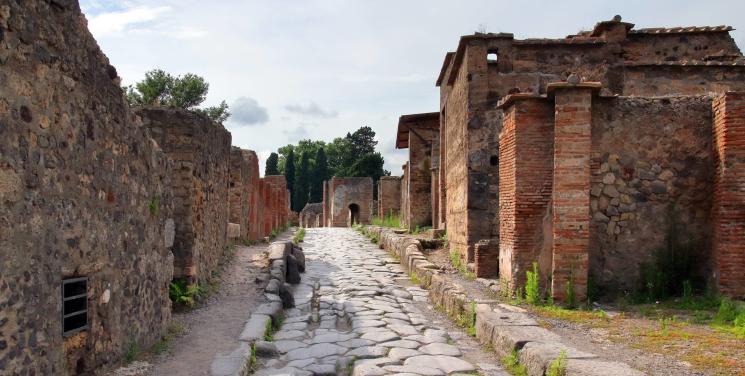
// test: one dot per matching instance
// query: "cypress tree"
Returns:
(320, 173)
(290, 175)
(271, 165)
(303, 182)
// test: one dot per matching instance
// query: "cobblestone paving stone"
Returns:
(353, 315)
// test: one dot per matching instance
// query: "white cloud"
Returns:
(117, 22)
(311, 110)
(247, 111)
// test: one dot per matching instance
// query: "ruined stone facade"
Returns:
(417, 132)
(239, 190)
(200, 151)
(590, 153)
(84, 193)
(311, 215)
(347, 201)
(389, 196)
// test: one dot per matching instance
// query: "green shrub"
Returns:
(727, 312)
(571, 300)
(390, 220)
(154, 206)
(185, 295)
(532, 288)
(513, 366)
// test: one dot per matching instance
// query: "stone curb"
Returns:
(238, 362)
(506, 328)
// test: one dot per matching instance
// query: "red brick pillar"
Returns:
(267, 208)
(571, 190)
(525, 178)
(729, 193)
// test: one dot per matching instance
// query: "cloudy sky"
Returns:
(295, 69)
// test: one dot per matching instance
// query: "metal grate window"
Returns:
(74, 305)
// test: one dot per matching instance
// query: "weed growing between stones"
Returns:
(458, 264)
(154, 206)
(415, 279)
(132, 353)
(467, 320)
(299, 236)
(731, 317)
(532, 289)
(558, 366)
(513, 366)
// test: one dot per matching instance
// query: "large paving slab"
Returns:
(362, 318)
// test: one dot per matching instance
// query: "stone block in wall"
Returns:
(486, 259)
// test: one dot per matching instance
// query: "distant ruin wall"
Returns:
(84, 192)
(389, 196)
(200, 151)
(345, 192)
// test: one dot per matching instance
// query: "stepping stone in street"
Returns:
(440, 349)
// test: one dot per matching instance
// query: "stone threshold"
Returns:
(277, 294)
(503, 327)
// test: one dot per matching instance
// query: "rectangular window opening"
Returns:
(74, 305)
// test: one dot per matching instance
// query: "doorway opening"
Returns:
(354, 214)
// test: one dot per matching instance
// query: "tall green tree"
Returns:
(289, 172)
(362, 141)
(320, 173)
(271, 165)
(303, 182)
(160, 88)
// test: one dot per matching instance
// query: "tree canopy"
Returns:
(351, 155)
(271, 165)
(160, 88)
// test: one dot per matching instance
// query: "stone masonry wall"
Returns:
(84, 192)
(651, 177)
(200, 150)
(389, 196)
(238, 192)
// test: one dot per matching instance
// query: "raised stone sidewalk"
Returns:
(506, 328)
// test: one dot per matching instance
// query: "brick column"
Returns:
(571, 190)
(729, 194)
(525, 178)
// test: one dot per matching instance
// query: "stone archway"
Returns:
(354, 215)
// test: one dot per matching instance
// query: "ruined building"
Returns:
(588, 154)
(311, 215)
(95, 199)
(389, 196)
(347, 201)
(418, 133)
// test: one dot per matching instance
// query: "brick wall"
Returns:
(389, 196)
(239, 189)
(525, 168)
(404, 193)
(419, 212)
(729, 193)
(255, 204)
(571, 191)
(200, 150)
(84, 192)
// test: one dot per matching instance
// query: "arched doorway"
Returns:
(354, 215)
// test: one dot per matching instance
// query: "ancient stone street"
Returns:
(356, 310)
